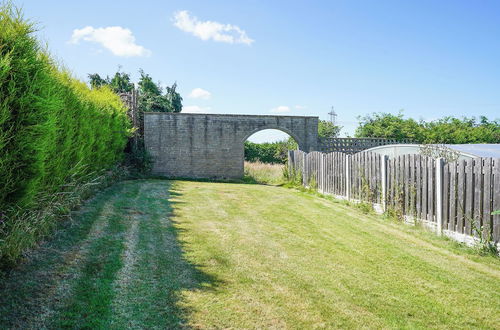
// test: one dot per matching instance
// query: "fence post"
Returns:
(321, 173)
(383, 168)
(348, 176)
(304, 170)
(439, 194)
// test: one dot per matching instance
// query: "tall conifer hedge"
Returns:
(52, 126)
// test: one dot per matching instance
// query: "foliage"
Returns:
(389, 126)
(119, 83)
(53, 128)
(269, 152)
(138, 160)
(484, 243)
(448, 130)
(152, 99)
(326, 129)
(151, 96)
(439, 151)
(147, 85)
(174, 98)
(459, 131)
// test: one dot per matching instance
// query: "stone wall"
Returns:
(212, 146)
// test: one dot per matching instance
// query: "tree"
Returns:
(269, 152)
(147, 85)
(466, 130)
(448, 130)
(326, 129)
(151, 97)
(96, 81)
(389, 126)
(174, 98)
(120, 83)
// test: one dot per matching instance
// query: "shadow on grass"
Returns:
(119, 263)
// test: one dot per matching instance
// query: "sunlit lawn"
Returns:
(163, 254)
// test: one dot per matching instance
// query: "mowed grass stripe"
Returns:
(37, 288)
(148, 297)
(273, 245)
(88, 304)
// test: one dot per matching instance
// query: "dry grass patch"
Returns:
(264, 173)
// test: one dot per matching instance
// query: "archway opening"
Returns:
(266, 154)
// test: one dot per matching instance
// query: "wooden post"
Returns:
(383, 169)
(496, 200)
(304, 174)
(348, 177)
(439, 194)
(323, 173)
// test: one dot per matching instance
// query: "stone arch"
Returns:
(212, 145)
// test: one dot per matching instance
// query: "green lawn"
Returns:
(161, 254)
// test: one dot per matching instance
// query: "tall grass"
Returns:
(53, 128)
(265, 173)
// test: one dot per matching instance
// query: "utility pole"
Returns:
(333, 116)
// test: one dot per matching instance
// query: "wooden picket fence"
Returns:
(455, 198)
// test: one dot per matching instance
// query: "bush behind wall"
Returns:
(52, 126)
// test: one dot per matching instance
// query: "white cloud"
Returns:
(281, 109)
(120, 41)
(206, 30)
(300, 107)
(195, 109)
(200, 93)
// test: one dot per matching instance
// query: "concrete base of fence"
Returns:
(459, 237)
(377, 208)
(464, 238)
(410, 220)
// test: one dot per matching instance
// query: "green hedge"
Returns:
(52, 126)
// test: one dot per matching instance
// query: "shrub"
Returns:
(53, 128)
(269, 152)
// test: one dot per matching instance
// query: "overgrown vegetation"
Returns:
(448, 130)
(484, 244)
(264, 173)
(439, 151)
(54, 132)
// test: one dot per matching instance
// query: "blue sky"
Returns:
(430, 58)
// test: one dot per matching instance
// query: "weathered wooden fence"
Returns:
(456, 198)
